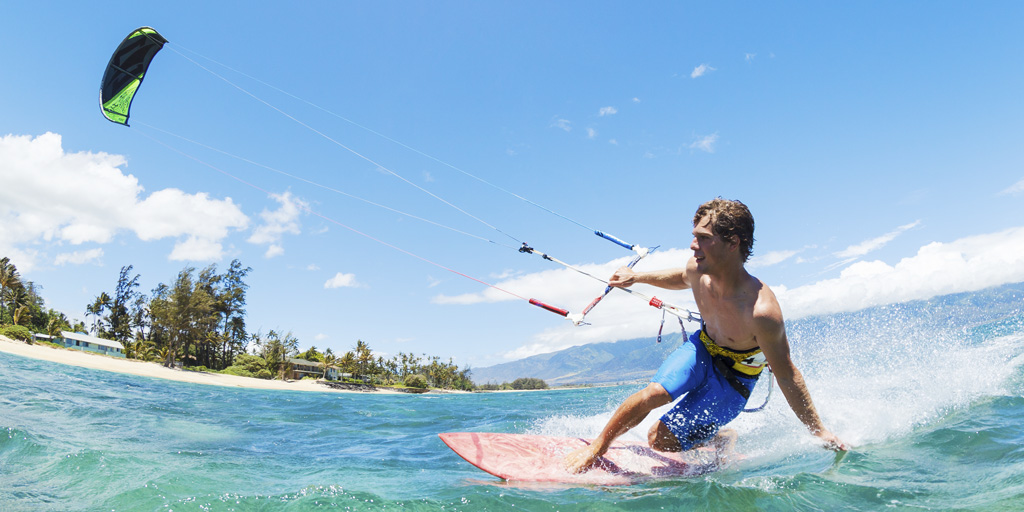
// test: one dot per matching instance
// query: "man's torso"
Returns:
(729, 318)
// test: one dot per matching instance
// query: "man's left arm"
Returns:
(771, 337)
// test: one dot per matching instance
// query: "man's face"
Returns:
(708, 248)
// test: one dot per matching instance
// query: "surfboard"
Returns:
(533, 458)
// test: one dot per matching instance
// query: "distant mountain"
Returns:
(639, 359)
(596, 363)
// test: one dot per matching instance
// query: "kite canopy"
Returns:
(125, 71)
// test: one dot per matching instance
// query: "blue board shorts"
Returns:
(709, 402)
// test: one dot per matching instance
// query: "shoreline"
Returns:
(83, 359)
(148, 369)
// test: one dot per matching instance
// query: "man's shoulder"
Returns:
(766, 306)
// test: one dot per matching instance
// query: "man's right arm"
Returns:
(670, 279)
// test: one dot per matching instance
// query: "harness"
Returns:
(731, 364)
(735, 365)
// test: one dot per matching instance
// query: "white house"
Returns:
(90, 343)
(300, 368)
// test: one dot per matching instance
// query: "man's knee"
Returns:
(660, 438)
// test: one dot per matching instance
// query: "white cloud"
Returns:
(607, 111)
(52, 196)
(876, 243)
(203, 222)
(591, 133)
(619, 316)
(273, 251)
(79, 257)
(770, 258)
(505, 274)
(706, 143)
(636, 100)
(341, 280)
(196, 248)
(312, 267)
(968, 264)
(564, 124)
(1014, 189)
(25, 260)
(277, 223)
(558, 286)
(701, 70)
(320, 337)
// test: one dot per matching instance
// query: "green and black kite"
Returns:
(125, 72)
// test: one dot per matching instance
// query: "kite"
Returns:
(125, 72)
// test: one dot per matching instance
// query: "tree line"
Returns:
(198, 321)
(523, 383)
(21, 304)
(361, 364)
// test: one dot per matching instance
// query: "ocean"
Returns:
(930, 394)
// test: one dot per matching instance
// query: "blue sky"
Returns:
(877, 144)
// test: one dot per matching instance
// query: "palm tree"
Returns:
(101, 304)
(311, 355)
(19, 300)
(364, 357)
(57, 323)
(329, 360)
(90, 310)
(130, 349)
(9, 278)
(22, 311)
(167, 355)
(139, 349)
(347, 363)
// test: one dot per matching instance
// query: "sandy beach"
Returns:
(147, 369)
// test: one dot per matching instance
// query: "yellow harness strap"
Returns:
(749, 363)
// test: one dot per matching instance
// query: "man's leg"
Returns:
(660, 438)
(627, 416)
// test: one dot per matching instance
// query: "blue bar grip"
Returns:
(614, 239)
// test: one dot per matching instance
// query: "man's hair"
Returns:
(729, 219)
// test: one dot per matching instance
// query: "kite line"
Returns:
(124, 75)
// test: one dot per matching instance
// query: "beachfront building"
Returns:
(299, 368)
(90, 343)
(36, 336)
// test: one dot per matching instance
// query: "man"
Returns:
(715, 369)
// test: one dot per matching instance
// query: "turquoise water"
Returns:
(930, 394)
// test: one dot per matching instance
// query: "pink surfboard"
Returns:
(529, 458)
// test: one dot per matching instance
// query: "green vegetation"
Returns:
(360, 366)
(198, 322)
(16, 332)
(416, 381)
(21, 305)
(518, 384)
